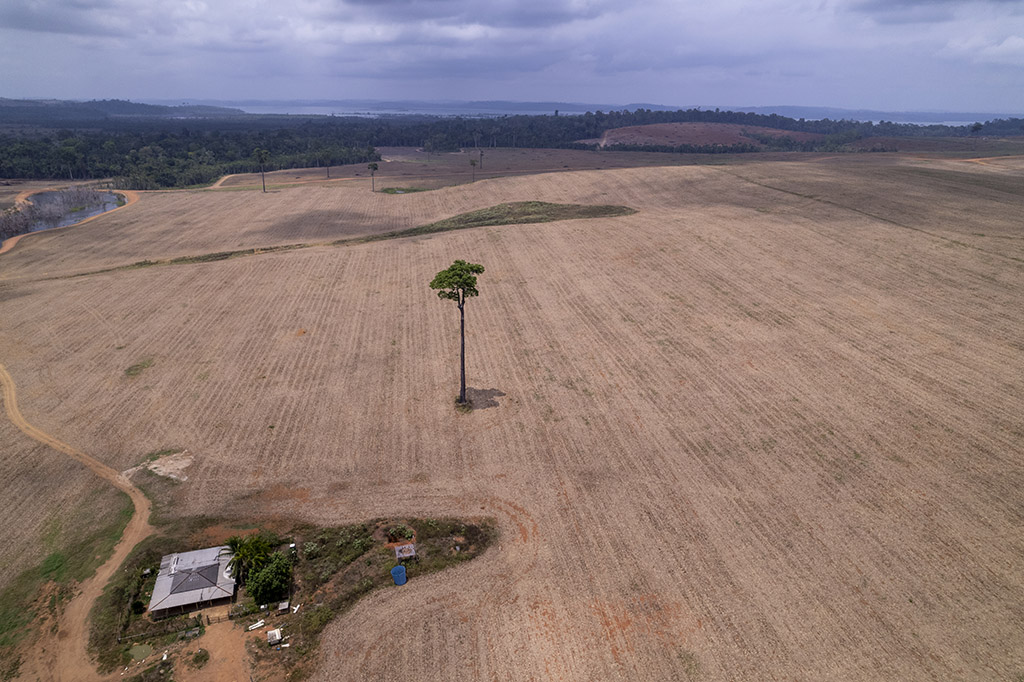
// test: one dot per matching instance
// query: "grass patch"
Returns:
(404, 190)
(137, 369)
(515, 213)
(200, 658)
(73, 558)
(158, 672)
(204, 258)
(520, 213)
(157, 454)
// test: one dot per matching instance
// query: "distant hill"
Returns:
(41, 112)
(489, 108)
(920, 117)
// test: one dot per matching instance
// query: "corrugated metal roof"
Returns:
(191, 578)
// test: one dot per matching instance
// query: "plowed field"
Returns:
(769, 427)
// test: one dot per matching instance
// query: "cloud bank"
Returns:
(885, 54)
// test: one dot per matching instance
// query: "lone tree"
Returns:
(472, 162)
(373, 169)
(457, 283)
(261, 156)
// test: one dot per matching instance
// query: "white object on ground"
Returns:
(257, 624)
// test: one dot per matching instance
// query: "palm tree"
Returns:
(261, 156)
(248, 555)
(236, 563)
(373, 169)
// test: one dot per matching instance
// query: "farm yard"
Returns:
(770, 426)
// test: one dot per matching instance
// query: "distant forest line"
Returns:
(143, 146)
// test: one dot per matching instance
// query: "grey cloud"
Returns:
(497, 13)
(928, 11)
(53, 16)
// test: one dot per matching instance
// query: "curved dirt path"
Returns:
(65, 657)
(130, 197)
(220, 182)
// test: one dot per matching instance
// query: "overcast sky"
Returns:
(953, 55)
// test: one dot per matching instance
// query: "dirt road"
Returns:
(64, 656)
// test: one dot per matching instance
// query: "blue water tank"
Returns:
(398, 573)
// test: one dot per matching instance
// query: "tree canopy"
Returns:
(272, 580)
(458, 281)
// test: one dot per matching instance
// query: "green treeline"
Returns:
(156, 151)
(154, 160)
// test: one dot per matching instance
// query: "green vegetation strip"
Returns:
(403, 190)
(514, 213)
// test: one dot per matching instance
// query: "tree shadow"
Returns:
(482, 398)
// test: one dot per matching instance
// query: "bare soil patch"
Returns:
(767, 427)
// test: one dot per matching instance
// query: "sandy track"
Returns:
(66, 659)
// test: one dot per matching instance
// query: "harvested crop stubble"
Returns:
(768, 427)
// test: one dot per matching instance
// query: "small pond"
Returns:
(67, 207)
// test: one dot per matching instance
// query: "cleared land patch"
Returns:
(769, 426)
(675, 134)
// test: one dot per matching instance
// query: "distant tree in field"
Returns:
(457, 283)
(976, 128)
(481, 159)
(373, 170)
(472, 162)
(261, 156)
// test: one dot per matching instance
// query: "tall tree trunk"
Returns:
(462, 353)
(263, 177)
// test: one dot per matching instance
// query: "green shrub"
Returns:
(200, 658)
(399, 532)
(272, 581)
(316, 619)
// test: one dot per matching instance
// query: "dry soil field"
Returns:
(769, 427)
